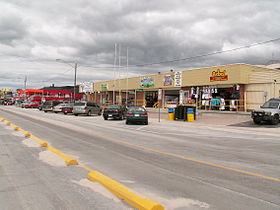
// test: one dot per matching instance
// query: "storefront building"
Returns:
(234, 87)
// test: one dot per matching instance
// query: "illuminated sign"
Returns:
(219, 76)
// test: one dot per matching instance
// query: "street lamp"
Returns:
(75, 74)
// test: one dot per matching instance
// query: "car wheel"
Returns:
(257, 121)
(76, 114)
(105, 118)
(56, 112)
(146, 122)
(89, 113)
(99, 113)
(275, 120)
(45, 111)
(65, 113)
(127, 122)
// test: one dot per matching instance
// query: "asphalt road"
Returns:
(178, 164)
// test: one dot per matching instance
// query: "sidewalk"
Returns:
(208, 117)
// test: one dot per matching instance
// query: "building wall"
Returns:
(263, 86)
(236, 74)
(255, 81)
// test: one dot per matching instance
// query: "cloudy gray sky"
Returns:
(34, 33)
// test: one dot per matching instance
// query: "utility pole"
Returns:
(75, 82)
(115, 61)
(120, 98)
(25, 82)
(126, 95)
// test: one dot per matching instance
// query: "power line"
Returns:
(55, 76)
(208, 54)
(191, 57)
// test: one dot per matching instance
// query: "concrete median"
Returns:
(68, 160)
(123, 192)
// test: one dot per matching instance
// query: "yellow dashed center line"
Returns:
(181, 157)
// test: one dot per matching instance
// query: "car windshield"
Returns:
(271, 104)
(80, 104)
(136, 109)
(114, 107)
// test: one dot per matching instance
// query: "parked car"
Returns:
(87, 108)
(31, 105)
(49, 105)
(115, 112)
(137, 114)
(58, 108)
(269, 112)
(67, 109)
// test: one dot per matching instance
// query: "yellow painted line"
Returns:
(86, 167)
(42, 143)
(68, 160)
(196, 160)
(123, 192)
(182, 156)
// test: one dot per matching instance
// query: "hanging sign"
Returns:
(178, 79)
(218, 75)
(159, 94)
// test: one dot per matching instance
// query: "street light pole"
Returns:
(75, 76)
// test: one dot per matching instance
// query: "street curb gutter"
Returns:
(123, 192)
(68, 160)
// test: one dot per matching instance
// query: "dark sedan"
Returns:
(137, 114)
(114, 111)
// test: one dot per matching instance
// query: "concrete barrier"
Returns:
(123, 192)
(68, 160)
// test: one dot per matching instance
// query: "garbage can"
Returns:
(190, 114)
(170, 113)
(179, 113)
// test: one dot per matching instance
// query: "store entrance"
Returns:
(220, 98)
(171, 98)
(151, 98)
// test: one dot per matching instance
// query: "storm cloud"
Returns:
(33, 34)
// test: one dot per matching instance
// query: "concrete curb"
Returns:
(123, 192)
(68, 160)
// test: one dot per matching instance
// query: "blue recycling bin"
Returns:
(190, 114)
(170, 113)
(170, 110)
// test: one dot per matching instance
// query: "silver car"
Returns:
(87, 108)
(269, 112)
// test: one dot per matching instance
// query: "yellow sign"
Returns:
(219, 76)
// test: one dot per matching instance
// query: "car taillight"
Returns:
(105, 110)
(85, 107)
(129, 114)
(117, 110)
(145, 114)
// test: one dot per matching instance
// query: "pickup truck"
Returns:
(269, 112)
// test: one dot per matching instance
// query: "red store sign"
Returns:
(219, 76)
